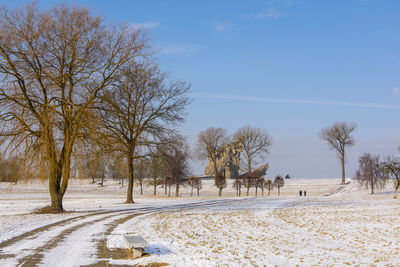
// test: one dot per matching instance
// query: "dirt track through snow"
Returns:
(77, 237)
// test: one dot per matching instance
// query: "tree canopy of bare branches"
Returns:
(369, 172)
(256, 144)
(53, 65)
(339, 137)
(210, 145)
(140, 109)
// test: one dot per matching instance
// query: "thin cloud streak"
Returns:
(293, 101)
(268, 13)
(146, 25)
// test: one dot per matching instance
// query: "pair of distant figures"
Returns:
(301, 193)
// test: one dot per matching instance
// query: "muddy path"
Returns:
(73, 236)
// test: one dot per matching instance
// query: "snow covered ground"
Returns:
(349, 227)
(310, 232)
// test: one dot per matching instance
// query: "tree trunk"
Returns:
(262, 190)
(93, 180)
(279, 190)
(220, 192)
(248, 190)
(343, 170)
(129, 196)
(191, 194)
(59, 176)
(165, 187)
(155, 186)
(256, 190)
(102, 180)
(198, 192)
(177, 189)
(141, 187)
(240, 189)
(54, 187)
(396, 189)
(169, 190)
(372, 186)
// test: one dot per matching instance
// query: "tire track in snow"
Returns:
(30, 248)
(79, 245)
(26, 248)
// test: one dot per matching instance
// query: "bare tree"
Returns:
(140, 109)
(220, 181)
(118, 168)
(256, 144)
(157, 169)
(141, 170)
(338, 136)
(269, 185)
(96, 167)
(195, 183)
(198, 185)
(259, 183)
(279, 182)
(369, 172)
(210, 146)
(53, 64)
(169, 181)
(248, 181)
(391, 170)
(175, 154)
(238, 185)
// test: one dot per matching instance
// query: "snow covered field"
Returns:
(350, 227)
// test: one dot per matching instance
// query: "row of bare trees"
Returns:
(255, 144)
(67, 77)
(250, 180)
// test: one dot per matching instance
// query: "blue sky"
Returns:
(291, 67)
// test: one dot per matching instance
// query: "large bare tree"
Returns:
(210, 145)
(339, 137)
(53, 64)
(140, 109)
(256, 144)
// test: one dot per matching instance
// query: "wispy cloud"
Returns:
(396, 91)
(222, 27)
(146, 25)
(268, 13)
(181, 49)
(294, 101)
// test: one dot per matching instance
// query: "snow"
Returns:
(329, 233)
(350, 227)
